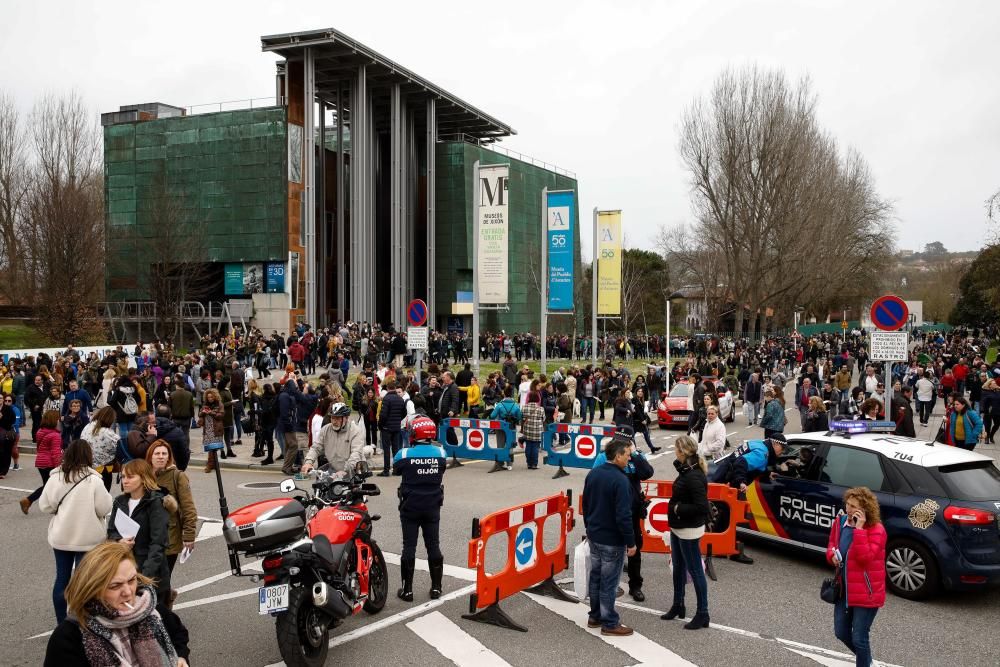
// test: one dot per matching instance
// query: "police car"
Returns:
(940, 505)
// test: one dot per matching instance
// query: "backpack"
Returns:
(129, 406)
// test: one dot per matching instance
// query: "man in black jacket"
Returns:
(390, 419)
(34, 399)
(463, 379)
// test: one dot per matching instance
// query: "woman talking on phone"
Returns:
(857, 541)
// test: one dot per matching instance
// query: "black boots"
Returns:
(741, 557)
(676, 611)
(436, 567)
(699, 621)
(405, 593)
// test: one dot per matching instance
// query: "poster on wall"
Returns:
(560, 249)
(492, 230)
(293, 275)
(295, 153)
(609, 263)
(243, 278)
(275, 278)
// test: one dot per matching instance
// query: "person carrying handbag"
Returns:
(857, 548)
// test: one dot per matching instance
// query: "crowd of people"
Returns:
(335, 391)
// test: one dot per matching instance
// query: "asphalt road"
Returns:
(768, 613)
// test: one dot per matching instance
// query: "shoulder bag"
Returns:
(59, 504)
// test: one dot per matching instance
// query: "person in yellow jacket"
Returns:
(474, 395)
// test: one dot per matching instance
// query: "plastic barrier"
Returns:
(479, 439)
(528, 566)
(585, 441)
(718, 540)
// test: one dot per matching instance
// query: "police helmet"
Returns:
(422, 429)
(339, 410)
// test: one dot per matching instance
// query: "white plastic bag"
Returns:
(581, 569)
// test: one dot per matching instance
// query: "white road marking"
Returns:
(452, 571)
(453, 642)
(215, 598)
(639, 647)
(209, 530)
(825, 660)
(14, 488)
(394, 619)
(253, 565)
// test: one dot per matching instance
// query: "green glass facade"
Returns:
(226, 170)
(453, 241)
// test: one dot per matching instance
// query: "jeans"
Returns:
(645, 433)
(606, 563)
(123, 429)
(588, 405)
(754, 411)
(65, 562)
(687, 560)
(531, 452)
(853, 625)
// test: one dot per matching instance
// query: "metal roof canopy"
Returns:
(338, 56)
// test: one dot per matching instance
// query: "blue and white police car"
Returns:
(940, 505)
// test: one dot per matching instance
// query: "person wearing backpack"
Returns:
(125, 401)
(75, 495)
(509, 411)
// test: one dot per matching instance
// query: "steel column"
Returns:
(309, 183)
(431, 226)
(396, 177)
(475, 258)
(323, 231)
(341, 254)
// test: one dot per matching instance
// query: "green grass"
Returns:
(991, 354)
(18, 336)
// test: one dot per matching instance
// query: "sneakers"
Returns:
(17, 466)
(617, 631)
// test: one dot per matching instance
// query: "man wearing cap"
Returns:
(637, 470)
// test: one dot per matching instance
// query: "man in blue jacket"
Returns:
(607, 515)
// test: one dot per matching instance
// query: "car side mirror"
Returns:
(287, 485)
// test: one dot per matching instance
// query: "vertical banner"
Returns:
(560, 250)
(609, 263)
(492, 228)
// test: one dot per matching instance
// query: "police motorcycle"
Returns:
(320, 562)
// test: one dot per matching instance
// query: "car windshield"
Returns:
(680, 390)
(972, 481)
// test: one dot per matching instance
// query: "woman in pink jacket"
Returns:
(857, 539)
(48, 455)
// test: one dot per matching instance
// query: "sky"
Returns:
(597, 88)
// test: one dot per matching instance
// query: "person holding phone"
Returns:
(857, 542)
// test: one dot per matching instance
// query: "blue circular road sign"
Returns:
(889, 313)
(416, 313)
(524, 546)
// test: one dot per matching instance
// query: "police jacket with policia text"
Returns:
(422, 468)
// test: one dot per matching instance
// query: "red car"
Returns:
(673, 409)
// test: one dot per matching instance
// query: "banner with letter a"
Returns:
(561, 251)
(609, 263)
(492, 228)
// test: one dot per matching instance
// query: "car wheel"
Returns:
(910, 570)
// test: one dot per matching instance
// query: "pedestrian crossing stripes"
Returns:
(453, 642)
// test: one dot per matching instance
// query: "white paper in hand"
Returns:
(125, 526)
(185, 554)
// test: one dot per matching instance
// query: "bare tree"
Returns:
(13, 193)
(65, 227)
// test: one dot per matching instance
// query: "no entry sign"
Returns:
(656, 519)
(586, 447)
(889, 313)
(475, 438)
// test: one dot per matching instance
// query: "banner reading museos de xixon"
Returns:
(492, 228)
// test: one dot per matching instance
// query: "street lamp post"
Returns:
(669, 302)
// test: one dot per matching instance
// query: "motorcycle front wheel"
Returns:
(302, 631)
(378, 582)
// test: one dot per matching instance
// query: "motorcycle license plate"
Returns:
(273, 599)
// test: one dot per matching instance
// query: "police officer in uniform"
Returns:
(421, 495)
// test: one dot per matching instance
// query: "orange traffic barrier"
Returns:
(527, 565)
(718, 540)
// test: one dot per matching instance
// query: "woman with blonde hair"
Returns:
(115, 618)
(146, 505)
(687, 514)
(857, 548)
(183, 526)
(816, 417)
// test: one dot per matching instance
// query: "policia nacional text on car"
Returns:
(421, 495)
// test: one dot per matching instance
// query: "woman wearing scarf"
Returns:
(114, 618)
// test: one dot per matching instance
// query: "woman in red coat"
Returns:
(859, 537)
(48, 454)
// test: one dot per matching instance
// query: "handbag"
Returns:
(942, 432)
(831, 589)
(248, 425)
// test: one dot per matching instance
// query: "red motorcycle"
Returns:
(320, 561)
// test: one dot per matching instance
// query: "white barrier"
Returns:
(84, 352)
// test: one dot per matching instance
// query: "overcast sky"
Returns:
(595, 87)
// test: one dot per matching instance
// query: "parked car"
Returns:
(673, 409)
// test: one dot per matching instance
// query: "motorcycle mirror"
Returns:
(362, 467)
(287, 485)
